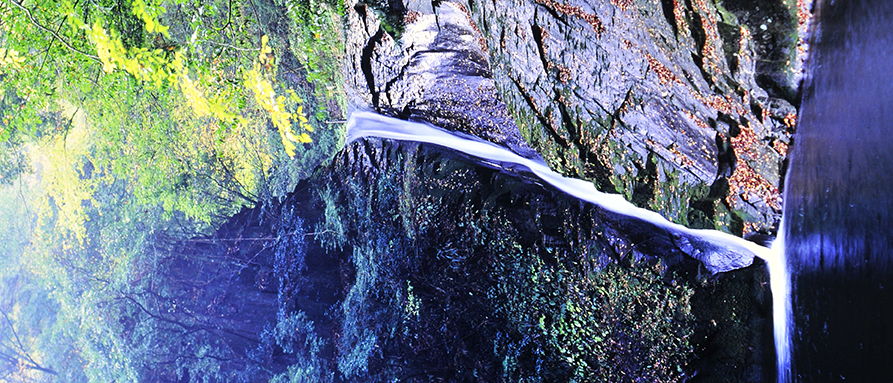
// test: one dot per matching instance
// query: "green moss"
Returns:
(599, 324)
(331, 232)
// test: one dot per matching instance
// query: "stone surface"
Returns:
(436, 72)
(658, 100)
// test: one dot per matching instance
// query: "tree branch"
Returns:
(30, 363)
(225, 45)
(50, 31)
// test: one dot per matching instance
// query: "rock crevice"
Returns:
(647, 81)
(614, 92)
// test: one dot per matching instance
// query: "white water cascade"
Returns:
(780, 284)
(367, 124)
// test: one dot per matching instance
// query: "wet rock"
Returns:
(435, 72)
(627, 92)
(773, 25)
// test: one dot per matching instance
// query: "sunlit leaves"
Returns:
(11, 58)
(167, 141)
(257, 81)
(110, 51)
(69, 192)
(153, 67)
(149, 13)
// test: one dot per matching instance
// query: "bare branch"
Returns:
(20, 350)
(225, 45)
(50, 31)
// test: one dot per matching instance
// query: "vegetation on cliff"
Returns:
(173, 209)
(128, 127)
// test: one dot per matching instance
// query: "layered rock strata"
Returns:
(662, 101)
(658, 100)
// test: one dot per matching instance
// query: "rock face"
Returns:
(436, 73)
(672, 103)
(657, 100)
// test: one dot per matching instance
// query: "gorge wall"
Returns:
(658, 100)
(682, 106)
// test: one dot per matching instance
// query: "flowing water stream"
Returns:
(367, 124)
(838, 210)
(831, 278)
(780, 284)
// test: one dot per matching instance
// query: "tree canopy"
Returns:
(126, 127)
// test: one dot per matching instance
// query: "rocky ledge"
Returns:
(663, 101)
(682, 106)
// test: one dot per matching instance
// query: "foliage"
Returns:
(296, 334)
(627, 315)
(275, 105)
(309, 70)
(142, 125)
(360, 310)
(481, 297)
(179, 78)
(315, 46)
(331, 231)
(13, 162)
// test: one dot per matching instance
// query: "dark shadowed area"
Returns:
(839, 205)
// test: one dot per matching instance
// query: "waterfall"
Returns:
(831, 272)
(367, 124)
(780, 284)
(838, 210)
